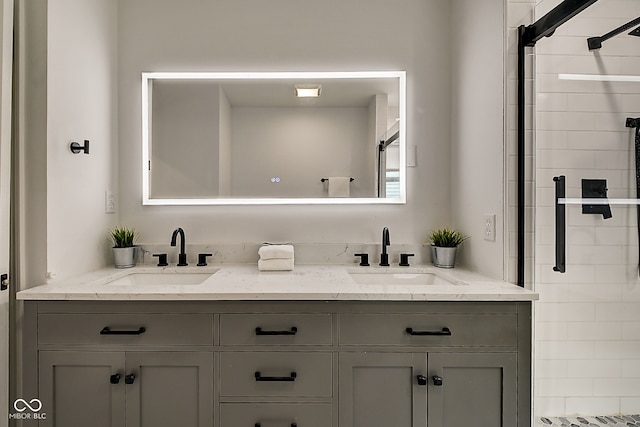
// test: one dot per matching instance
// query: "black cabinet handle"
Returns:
(114, 379)
(129, 379)
(291, 331)
(292, 425)
(443, 332)
(422, 380)
(107, 331)
(437, 380)
(292, 377)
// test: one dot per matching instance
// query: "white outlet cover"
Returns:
(489, 228)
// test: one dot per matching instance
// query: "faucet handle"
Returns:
(364, 259)
(202, 259)
(404, 259)
(162, 260)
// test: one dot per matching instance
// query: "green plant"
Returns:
(123, 237)
(446, 238)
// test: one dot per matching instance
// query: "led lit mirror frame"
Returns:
(148, 78)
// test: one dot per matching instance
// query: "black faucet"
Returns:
(182, 256)
(384, 257)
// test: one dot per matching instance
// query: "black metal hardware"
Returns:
(596, 42)
(635, 123)
(595, 189)
(437, 381)
(4, 282)
(327, 179)
(384, 257)
(114, 379)
(291, 331)
(528, 36)
(107, 331)
(560, 225)
(129, 379)
(292, 425)
(404, 260)
(162, 260)
(77, 148)
(444, 332)
(422, 380)
(291, 377)
(364, 259)
(182, 256)
(548, 24)
(202, 259)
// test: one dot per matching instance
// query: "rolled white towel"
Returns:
(276, 252)
(275, 264)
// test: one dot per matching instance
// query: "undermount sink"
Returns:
(399, 279)
(161, 279)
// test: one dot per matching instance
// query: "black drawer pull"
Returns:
(443, 332)
(107, 331)
(292, 331)
(422, 380)
(114, 379)
(292, 425)
(129, 379)
(292, 377)
(437, 380)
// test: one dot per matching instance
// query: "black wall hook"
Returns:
(77, 148)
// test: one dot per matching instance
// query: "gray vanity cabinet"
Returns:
(279, 363)
(133, 389)
(381, 389)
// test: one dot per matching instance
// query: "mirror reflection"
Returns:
(236, 138)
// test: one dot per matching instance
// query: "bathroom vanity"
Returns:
(320, 346)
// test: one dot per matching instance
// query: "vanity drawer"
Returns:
(275, 329)
(126, 329)
(433, 330)
(275, 414)
(276, 374)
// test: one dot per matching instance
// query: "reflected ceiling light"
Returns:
(599, 77)
(308, 91)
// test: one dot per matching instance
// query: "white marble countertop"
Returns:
(306, 282)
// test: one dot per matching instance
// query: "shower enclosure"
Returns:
(586, 260)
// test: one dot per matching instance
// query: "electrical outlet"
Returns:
(109, 202)
(489, 229)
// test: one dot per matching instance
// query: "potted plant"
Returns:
(444, 244)
(124, 251)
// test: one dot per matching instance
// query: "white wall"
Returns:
(237, 35)
(81, 104)
(588, 319)
(477, 130)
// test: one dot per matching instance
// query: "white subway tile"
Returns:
(550, 368)
(594, 331)
(565, 349)
(596, 140)
(631, 368)
(551, 331)
(617, 350)
(631, 331)
(624, 311)
(552, 102)
(565, 311)
(630, 405)
(560, 387)
(566, 121)
(584, 406)
(616, 386)
(594, 254)
(595, 102)
(594, 369)
(548, 406)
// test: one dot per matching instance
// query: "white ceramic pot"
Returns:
(124, 257)
(443, 257)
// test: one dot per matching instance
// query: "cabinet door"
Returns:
(169, 389)
(77, 389)
(382, 389)
(477, 389)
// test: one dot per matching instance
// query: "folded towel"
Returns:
(339, 186)
(275, 264)
(276, 252)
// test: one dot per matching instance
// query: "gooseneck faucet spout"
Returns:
(384, 257)
(182, 256)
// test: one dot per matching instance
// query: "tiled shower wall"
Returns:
(587, 328)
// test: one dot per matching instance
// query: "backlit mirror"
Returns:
(273, 138)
